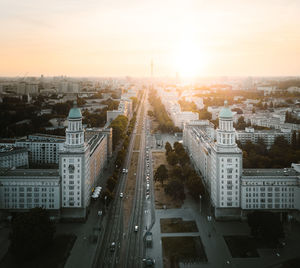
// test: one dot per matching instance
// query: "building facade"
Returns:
(216, 155)
(13, 157)
(234, 192)
(268, 136)
(271, 189)
(43, 149)
(66, 190)
(23, 189)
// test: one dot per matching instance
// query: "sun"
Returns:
(188, 59)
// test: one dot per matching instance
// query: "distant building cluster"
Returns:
(170, 101)
(267, 136)
(235, 191)
(125, 108)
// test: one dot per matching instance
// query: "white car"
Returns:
(124, 170)
(136, 228)
(121, 195)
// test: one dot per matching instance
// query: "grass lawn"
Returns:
(53, 257)
(182, 249)
(241, 246)
(177, 225)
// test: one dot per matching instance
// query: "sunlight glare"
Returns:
(188, 59)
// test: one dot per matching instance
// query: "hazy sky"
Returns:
(120, 37)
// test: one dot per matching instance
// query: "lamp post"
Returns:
(105, 197)
(200, 197)
(209, 220)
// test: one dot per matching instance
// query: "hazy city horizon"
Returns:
(118, 38)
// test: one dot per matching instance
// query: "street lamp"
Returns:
(209, 220)
(105, 197)
(200, 197)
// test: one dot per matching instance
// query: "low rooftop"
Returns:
(271, 172)
(29, 173)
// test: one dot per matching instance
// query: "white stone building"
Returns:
(23, 189)
(13, 157)
(268, 136)
(233, 191)
(271, 189)
(219, 161)
(43, 149)
(81, 166)
(125, 108)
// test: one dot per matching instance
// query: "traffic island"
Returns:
(177, 225)
(130, 188)
(182, 249)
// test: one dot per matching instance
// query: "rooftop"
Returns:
(272, 172)
(29, 173)
(75, 112)
(11, 149)
(225, 112)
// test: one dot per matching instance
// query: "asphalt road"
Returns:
(113, 230)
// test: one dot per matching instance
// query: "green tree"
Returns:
(177, 173)
(175, 188)
(168, 147)
(161, 174)
(32, 232)
(150, 113)
(172, 158)
(195, 186)
(178, 147)
(119, 127)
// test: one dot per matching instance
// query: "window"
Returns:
(71, 169)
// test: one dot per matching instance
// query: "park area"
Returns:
(182, 249)
(177, 225)
(161, 198)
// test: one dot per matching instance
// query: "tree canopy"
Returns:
(119, 128)
(161, 174)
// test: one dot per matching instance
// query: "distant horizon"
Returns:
(149, 77)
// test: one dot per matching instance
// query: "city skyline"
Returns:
(116, 38)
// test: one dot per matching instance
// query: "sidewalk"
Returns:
(215, 246)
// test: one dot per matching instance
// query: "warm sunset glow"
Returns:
(189, 60)
(112, 38)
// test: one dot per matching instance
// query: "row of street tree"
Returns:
(165, 124)
(181, 173)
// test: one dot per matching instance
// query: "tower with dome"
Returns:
(217, 156)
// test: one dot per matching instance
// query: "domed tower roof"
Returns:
(225, 111)
(75, 112)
